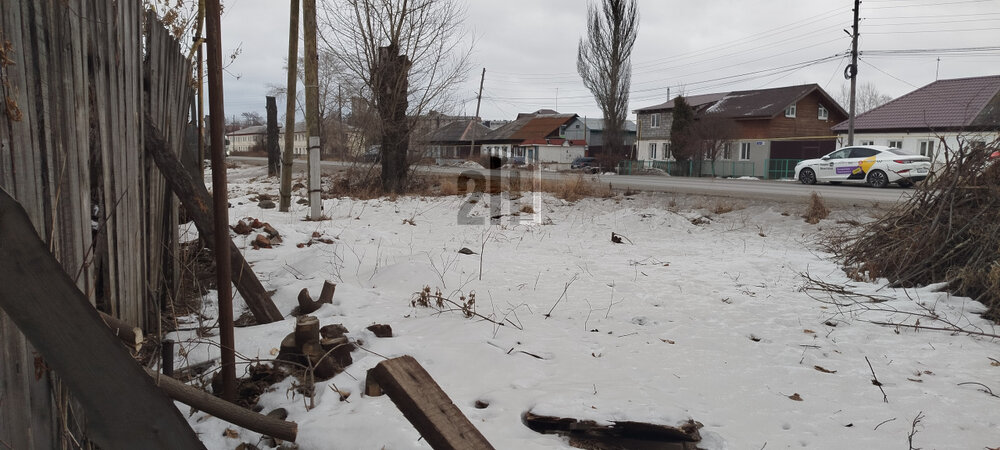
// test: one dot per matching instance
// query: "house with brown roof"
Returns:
(536, 137)
(457, 140)
(939, 115)
(763, 126)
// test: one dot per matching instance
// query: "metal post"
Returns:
(223, 267)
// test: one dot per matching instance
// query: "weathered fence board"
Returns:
(71, 150)
(127, 410)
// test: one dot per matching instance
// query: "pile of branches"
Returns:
(948, 232)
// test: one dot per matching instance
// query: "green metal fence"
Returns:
(691, 168)
(777, 169)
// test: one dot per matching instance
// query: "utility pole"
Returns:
(853, 74)
(223, 266)
(479, 100)
(312, 106)
(293, 66)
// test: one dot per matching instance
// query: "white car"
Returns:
(875, 165)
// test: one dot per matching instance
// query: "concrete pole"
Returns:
(854, 75)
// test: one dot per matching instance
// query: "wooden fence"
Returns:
(76, 79)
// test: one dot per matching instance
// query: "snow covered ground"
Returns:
(709, 322)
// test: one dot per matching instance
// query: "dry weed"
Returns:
(817, 209)
(948, 231)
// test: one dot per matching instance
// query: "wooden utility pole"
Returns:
(293, 67)
(853, 74)
(479, 100)
(273, 151)
(216, 101)
(312, 106)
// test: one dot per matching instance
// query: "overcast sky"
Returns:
(528, 48)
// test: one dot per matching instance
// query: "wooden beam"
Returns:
(124, 409)
(232, 413)
(198, 204)
(426, 405)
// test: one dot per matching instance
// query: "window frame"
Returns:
(654, 120)
(744, 151)
(652, 151)
(790, 111)
(823, 113)
(891, 144)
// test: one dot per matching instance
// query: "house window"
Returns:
(654, 121)
(652, 150)
(666, 151)
(823, 113)
(927, 149)
(744, 150)
(896, 144)
(866, 142)
(727, 151)
(790, 111)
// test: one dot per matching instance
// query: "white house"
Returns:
(943, 114)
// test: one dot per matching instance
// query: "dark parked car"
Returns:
(373, 154)
(586, 164)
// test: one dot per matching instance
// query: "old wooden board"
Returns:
(617, 435)
(426, 405)
(124, 408)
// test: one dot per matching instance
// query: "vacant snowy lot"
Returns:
(698, 314)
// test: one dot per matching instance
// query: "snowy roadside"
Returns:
(708, 322)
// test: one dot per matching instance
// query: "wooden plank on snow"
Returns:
(426, 405)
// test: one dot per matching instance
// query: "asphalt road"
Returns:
(785, 191)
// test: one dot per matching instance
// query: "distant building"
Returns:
(770, 127)
(247, 139)
(537, 137)
(592, 131)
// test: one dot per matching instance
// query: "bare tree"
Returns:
(253, 118)
(409, 54)
(868, 97)
(711, 134)
(604, 62)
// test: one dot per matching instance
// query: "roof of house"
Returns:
(953, 103)
(694, 100)
(530, 127)
(556, 141)
(461, 131)
(257, 129)
(598, 124)
(766, 103)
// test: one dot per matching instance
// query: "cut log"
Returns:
(326, 295)
(131, 336)
(425, 405)
(198, 203)
(306, 303)
(234, 414)
(306, 331)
